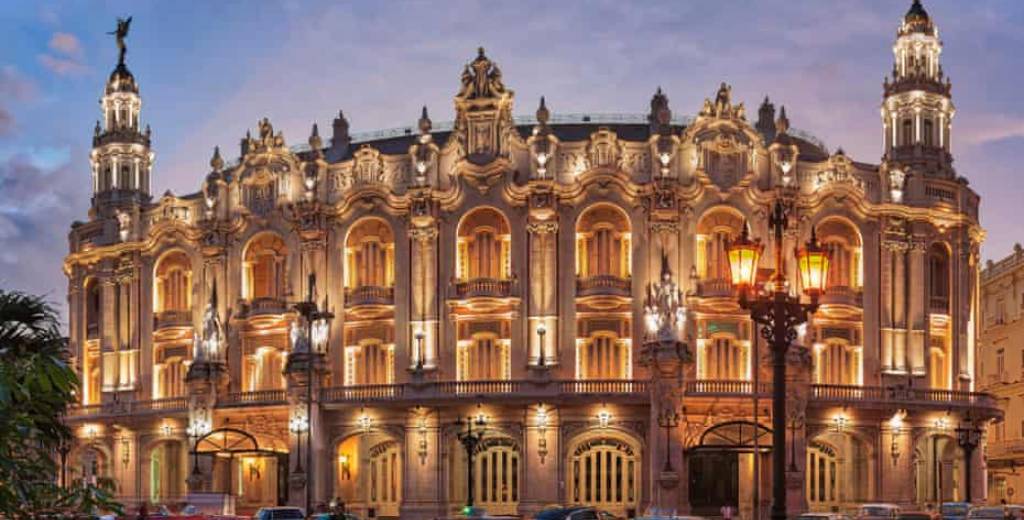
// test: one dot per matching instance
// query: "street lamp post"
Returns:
(470, 440)
(668, 419)
(779, 313)
(420, 353)
(968, 437)
(317, 323)
(541, 331)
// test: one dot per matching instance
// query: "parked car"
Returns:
(918, 515)
(574, 513)
(1011, 512)
(954, 510)
(877, 512)
(825, 516)
(279, 513)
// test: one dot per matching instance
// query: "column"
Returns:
(540, 456)
(108, 335)
(543, 292)
(917, 319)
(874, 362)
(423, 312)
(888, 362)
(423, 488)
(900, 309)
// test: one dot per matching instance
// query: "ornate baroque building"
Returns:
(497, 269)
(1001, 370)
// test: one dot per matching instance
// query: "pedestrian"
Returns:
(143, 513)
(726, 511)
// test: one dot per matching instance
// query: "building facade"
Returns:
(498, 273)
(1001, 370)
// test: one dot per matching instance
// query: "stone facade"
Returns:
(496, 269)
(1001, 370)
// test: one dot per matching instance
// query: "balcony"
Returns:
(444, 392)
(171, 319)
(938, 305)
(483, 288)
(129, 408)
(369, 295)
(842, 295)
(715, 288)
(904, 397)
(253, 398)
(604, 285)
(1005, 448)
(725, 388)
(266, 306)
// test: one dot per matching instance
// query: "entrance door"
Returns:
(714, 481)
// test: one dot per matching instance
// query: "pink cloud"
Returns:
(62, 66)
(66, 44)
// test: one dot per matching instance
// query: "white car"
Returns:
(279, 513)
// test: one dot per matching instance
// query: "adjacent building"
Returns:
(329, 320)
(1001, 370)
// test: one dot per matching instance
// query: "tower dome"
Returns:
(122, 80)
(917, 20)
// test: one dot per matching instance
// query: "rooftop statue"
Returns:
(123, 24)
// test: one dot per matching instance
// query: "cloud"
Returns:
(66, 58)
(13, 86)
(66, 44)
(988, 128)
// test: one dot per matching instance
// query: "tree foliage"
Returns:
(36, 387)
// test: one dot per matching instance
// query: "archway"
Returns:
(938, 469)
(368, 474)
(839, 471)
(721, 466)
(250, 476)
(604, 471)
(167, 471)
(497, 474)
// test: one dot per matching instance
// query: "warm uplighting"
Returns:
(365, 423)
(298, 424)
(812, 263)
(744, 255)
(896, 422)
(839, 423)
(604, 417)
(942, 423)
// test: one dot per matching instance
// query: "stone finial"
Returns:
(543, 115)
(766, 119)
(340, 136)
(425, 124)
(660, 115)
(782, 124)
(315, 143)
(216, 162)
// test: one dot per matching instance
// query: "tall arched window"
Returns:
(172, 283)
(484, 246)
(605, 473)
(939, 278)
(370, 255)
(843, 243)
(603, 356)
(837, 363)
(908, 132)
(485, 357)
(91, 383)
(724, 359)
(823, 476)
(714, 231)
(264, 273)
(496, 475)
(603, 243)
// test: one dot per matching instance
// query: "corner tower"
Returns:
(917, 110)
(121, 158)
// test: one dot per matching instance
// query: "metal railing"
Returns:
(267, 305)
(896, 394)
(603, 284)
(842, 295)
(715, 287)
(369, 295)
(112, 408)
(483, 288)
(447, 390)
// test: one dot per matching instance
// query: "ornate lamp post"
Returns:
(968, 437)
(470, 440)
(779, 313)
(541, 331)
(420, 353)
(316, 336)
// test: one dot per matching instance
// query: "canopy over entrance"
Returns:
(249, 474)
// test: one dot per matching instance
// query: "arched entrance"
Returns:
(497, 474)
(250, 476)
(368, 475)
(721, 466)
(604, 471)
(839, 471)
(938, 469)
(167, 471)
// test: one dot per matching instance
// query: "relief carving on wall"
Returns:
(604, 149)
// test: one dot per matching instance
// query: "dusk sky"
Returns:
(209, 70)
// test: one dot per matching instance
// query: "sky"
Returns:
(208, 71)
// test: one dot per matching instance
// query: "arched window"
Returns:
(908, 132)
(264, 273)
(173, 283)
(939, 366)
(370, 363)
(603, 243)
(93, 305)
(171, 365)
(603, 356)
(939, 278)
(385, 484)
(485, 357)
(714, 231)
(496, 475)
(724, 359)
(928, 132)
(823, 475)
(166, 478)
(842, 240)
(604, 473)
(836, 363)
(370, 255)
(484, 246)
